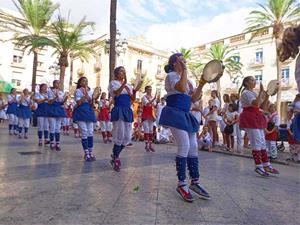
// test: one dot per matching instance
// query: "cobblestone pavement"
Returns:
(60, 188)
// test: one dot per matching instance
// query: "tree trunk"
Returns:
(34, 70)
(113, 31)
(63, 64)
(279, 76)
(62, 76)
(71, 75)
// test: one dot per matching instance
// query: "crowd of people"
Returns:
(180, 116)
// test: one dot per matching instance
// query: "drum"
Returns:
(96, 93)
(273, 87)
(213, 71)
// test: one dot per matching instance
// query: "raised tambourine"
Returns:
(272, 87)
(212, 71)
(96, 93)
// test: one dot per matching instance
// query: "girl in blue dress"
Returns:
(56, 113)
(12, 112)
(121, 114)
(85, 117)
(184, 126)
(24, 113)
(41, 98)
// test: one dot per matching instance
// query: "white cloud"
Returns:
(189, 33)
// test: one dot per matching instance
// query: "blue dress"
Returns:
(83, 112)
(177, 113)
(56, 109)
(296, 127)
(122, 109)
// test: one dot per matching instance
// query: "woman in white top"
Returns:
(12, 112)
(56, 113)
(2, 109)
(121, 114)
(24, 112)
(85, 117)
(213, 117)
(177, 116)
(254, 122)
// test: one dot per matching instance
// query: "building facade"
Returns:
(259, 60)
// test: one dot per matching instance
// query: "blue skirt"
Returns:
(42, 110)
(296, 127)
(84, 113)
(12, 108)
(56, 110)
(24, 112)
(122, 110)
(177, 114)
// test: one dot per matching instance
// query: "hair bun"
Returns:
(168, 68)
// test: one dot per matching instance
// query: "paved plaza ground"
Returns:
(60, 188)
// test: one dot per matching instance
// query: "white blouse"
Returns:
(115, 85)
(79, 94)
(52, 93)
(170, 82)
(247, 98)
(40, 96)
(146, 100)
(26, 101)
(11, 98)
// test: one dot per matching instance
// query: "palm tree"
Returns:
(196, 68)
(36, 16)
(275, 14)
(187, 53)
(224, 53)
(113, 32)
(68, 39)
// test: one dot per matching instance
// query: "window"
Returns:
(139, 65)
(258, 76)
(17, 59)
(159, 69)
(17, 82)
(259, 56)
(285, 75)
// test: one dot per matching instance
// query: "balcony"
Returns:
(19, 65)
(140, 72)
(160, 76)
(255, 63)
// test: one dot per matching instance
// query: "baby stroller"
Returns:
(282, 137)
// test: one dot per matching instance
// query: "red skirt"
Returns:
(272, 136)
(103, 115)
(253, 118)
(147, 113)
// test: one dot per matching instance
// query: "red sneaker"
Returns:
(185, 193)
(270, 169)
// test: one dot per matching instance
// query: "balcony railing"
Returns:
(257, 62)
(142, 72)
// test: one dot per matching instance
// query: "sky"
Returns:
(168, 24)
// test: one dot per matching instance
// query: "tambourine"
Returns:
(96, 93)
(273, 87)
(212, 71)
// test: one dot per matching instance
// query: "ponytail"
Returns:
(243, 86)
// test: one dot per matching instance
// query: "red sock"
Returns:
(264, 156)
(257, 157)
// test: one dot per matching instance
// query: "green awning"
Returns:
(5, 86)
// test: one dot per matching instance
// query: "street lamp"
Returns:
(54, 69)
(121, 44)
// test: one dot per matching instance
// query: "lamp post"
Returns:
(54, 70)
(121, 45)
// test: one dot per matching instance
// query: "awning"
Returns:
(5, 87)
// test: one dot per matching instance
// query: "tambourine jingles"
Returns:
(212, 71)
(273, 87)
(96, 93)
